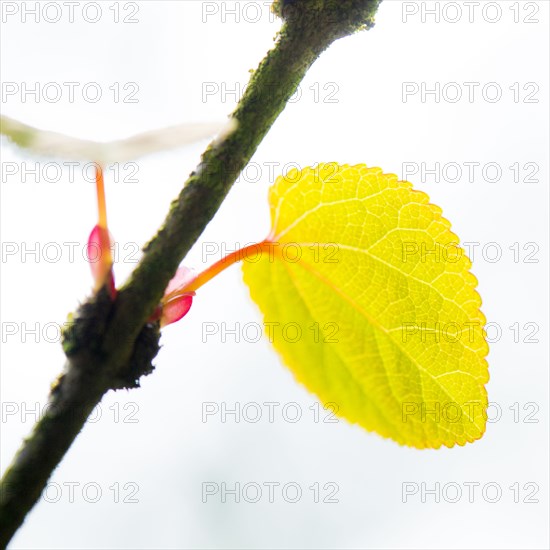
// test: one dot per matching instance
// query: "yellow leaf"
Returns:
(369, 300)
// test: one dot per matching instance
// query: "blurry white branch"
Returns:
(52, 144)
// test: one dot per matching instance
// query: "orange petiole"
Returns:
(248, 252)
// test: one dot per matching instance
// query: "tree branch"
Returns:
(110, 345)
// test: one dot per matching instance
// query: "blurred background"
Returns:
(452, 96)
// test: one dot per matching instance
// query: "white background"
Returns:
(170, 53)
